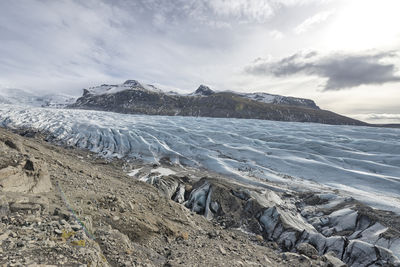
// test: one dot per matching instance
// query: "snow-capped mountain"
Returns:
(25, 98)
(136, 98)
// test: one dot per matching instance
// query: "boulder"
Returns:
(332, 261)
(31, 177)
(307, 249)
(4, 206)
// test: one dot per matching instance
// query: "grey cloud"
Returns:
(341, 70)
(66, 45)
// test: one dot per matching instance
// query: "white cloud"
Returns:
(311, 22)
(378, 118)
(255, 10)
(67, 45)
(276, 34)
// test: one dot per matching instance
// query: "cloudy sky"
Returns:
(344, 54)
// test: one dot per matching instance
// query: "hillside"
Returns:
(69, 207)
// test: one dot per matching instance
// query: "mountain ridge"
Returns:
(133, 97)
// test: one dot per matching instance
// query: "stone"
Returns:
(33, 177)
(58, 231)
(306, 249)
(166, 184)
(76, 227)
(11, 144)
(332, 261)
(180, 194)
(29, 165)
(63, 214)
(222, 250)
(259, 238)
(4, 206)
(25, 207)
(5, 235)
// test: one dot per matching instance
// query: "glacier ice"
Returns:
(363, 161)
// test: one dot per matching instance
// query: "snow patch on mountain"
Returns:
(127, 85)
(278, 99)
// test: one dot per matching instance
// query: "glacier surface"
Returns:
(363, 162)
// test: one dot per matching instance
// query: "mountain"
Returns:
(133, 97)
(21, 97)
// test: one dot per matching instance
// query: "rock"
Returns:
(185, 235)
(291, 257)
(76, 227)
(33, 177)
(25, 207)
(11, 144)
(259, 238)
(89, 182)
(63, 214)
(222, 250)
(267, 261)
(4, 206)
(180, 194)
(58, 231)
(5, 235)
(306, 249)
(166, 184)
(332, 261)
(115, 218)
(29, 165)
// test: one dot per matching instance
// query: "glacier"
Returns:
(362, 162)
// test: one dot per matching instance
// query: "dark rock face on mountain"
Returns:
(203, 90)
(135, 98)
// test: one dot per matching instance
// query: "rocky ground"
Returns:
(63, 206)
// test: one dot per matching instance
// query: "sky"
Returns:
(343, 54)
